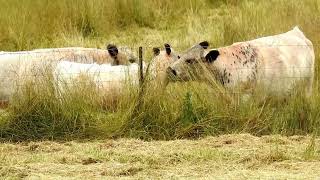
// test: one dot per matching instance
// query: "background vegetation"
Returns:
(182, 110)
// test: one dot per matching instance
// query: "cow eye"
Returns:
(190, 61)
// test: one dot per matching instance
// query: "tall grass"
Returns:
(182, 109)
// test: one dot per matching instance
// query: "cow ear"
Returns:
(204, 44)
(168, 48)
(156, 51)
(113, 50)
(212, 56)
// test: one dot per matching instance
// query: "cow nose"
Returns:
(174, 72)
(171, 71)
(132, 60)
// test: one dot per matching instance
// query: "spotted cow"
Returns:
(276, 62)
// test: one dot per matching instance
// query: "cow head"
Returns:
(167, 51)
(162, 59)
(121, 56)
(191, 63)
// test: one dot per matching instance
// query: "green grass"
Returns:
(183, 110)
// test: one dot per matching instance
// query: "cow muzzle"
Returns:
(171, 72)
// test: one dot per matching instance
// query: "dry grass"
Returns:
(229, 156)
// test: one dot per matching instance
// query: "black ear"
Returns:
(204, 44)
(212, 56)
(113, 50)
(156, 51)
(168, 48)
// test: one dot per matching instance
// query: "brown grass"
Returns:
(229, 156)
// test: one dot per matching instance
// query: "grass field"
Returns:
(42, 136)
(182, 110)
(224, 157)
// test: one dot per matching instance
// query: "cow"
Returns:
(277, 62)
(16, 67)
(112, 55)
(109, 81)
(104, 76)
(161, 60)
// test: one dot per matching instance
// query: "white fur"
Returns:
(105, 76)
(287, 58)
(77, 54)
(15, 69)
(160, 63)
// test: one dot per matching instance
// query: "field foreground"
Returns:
(229, 156)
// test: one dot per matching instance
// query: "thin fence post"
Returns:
(136, 110)
(140, 66)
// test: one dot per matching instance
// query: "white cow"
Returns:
(106, 78)
(161, 61)
(277, 62)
